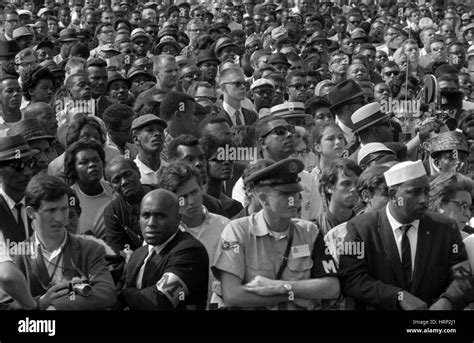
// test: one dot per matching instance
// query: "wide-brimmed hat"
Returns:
(166, 40)
(116, 76)
(68, 35)
(206, 55)
(30, 129)
(9, 48)
(222, 43)
(15, 148)
(343, 92)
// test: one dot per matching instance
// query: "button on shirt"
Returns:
(398, 235)
(11, 205)
(148, 175)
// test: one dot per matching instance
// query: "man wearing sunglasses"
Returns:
(17, 163)
(232, 84)
(390, 70)
(276, 141)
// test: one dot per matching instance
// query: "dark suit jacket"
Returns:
(250, 117)
(185, 257)
(79, 256)
(213, 205)
(9, 225)
(377, 278)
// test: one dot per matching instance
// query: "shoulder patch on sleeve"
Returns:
(227, 245)
(173, 288)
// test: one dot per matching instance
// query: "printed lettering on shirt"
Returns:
(173, 288)
(329, 267)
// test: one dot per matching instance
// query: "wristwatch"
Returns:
(288, 287)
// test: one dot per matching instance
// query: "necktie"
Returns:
(406, 255)
(21, 224)
(144, 268)
(238, 119)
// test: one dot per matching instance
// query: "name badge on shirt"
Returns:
(300, 251)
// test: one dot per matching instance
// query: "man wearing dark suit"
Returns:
(57, 259)
(172, 270)
(97, 71)
(411, 259)
(232, 83)
(16, 169)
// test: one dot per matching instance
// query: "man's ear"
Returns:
(30, 212)
(135, 137)
(392, 194)
(366, 197)
(261, 142)
(436, 162)
(262, 198)
(317, 147)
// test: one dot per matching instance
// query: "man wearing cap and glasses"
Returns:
(17, 163)
(276, 141)
(271, 260)
(232, 83)
(413, 259)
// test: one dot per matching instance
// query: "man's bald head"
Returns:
(160, 60)
(159, 216)
(72, 79)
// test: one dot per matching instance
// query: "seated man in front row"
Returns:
(59, 259)
(172, 270)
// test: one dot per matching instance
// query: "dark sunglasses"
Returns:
(19, 166)
(392, 73)
(282, 130)
(237, 84)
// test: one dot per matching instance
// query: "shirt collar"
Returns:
(159, 248)
(53, 253)
(260, 227)
(229, 109)
(395, 224)
(10, 202)
(143, 167)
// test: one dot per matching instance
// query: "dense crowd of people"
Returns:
(247, 154)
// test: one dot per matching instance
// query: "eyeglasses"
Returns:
(282, 130)
(302, 153)
(263, 92)
(26, 64)
(464, 205)
(190, 76)
(19, 166)
(299, 86)
(392, 73)
(237, 84)
(210, 98)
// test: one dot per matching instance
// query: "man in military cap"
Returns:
(448, 152)
(270, 259)
(401, 243)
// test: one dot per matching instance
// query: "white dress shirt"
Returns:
(398, 235)
(231, 111)
(147, 175)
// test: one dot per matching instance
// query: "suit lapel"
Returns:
(423, 247)
(390, 246)
(9, 225)
(135, 264)
(227, 117)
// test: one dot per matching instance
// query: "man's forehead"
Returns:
(187, 150)
(10, 83)
(61, 202)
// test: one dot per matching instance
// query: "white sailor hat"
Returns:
(404, 171)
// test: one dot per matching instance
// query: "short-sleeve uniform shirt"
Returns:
(249, 248)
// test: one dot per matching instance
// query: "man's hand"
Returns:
(263, 286)
(57, 291)
(442, 304)
(409, 302)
